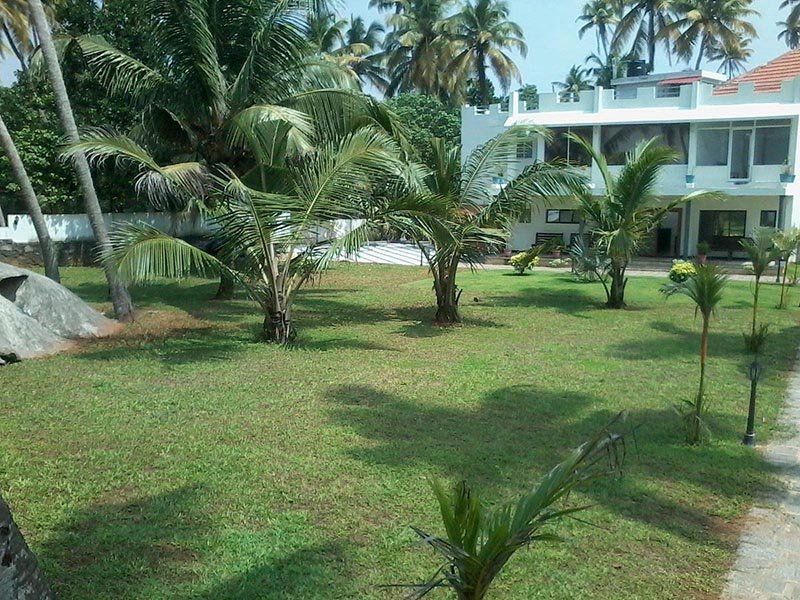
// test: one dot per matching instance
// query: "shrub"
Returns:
(523, 261)
(681, 271)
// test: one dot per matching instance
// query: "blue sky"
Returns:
(553, 44)
(551, 33)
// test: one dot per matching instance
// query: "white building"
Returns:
(739, 137)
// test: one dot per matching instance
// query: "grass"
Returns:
(184, 460)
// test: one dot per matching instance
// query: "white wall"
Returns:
(76, 228)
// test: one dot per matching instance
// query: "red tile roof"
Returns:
(680, 80)
(766, 78)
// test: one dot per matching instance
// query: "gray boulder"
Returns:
(38, 316)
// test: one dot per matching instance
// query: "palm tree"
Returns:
(640, 26)
(226, 71)
(761, 250)
(575, 83)
(49, 254)
(361, 52)
(483, 34)
(461, 214)
(708, 24)
(21, 578)
(481, 538)
(705, 289)
(733, 57)
(325, 31)
(601, 16)
(268, 228)
(787, 241)
(123, 307)
(16, 31)
(605, 70)
(621, 218)
(418, 50)
(790, 30)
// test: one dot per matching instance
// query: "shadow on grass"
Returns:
(518, 432)
(127, 548)
(574, 303)
(310, 573)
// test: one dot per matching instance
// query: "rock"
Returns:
(52, 305)
(39, 316)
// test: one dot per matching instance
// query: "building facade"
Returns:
(739, 137)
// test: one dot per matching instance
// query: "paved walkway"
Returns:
(768, 562)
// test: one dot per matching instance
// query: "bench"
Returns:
(541, 238)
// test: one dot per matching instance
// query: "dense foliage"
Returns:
(426, 117)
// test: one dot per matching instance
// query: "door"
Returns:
(741, 154)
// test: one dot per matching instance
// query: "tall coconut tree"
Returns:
(620, 218)
(600, 16)
(418, 50)
(574, 83)
(326, 31)
(640, 27)
(705, 289)
(224, 71)
(483, 35)
(733, 57)
(790, 28)
(461, 213)
(705, 25)
(49, 254)
(361, 52)
(17, 35)
(123, 306)
(21, 577)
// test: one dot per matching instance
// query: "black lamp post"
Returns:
(755, 372)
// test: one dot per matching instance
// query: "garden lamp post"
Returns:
(754, 372)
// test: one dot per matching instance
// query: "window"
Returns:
(769, 218)
(562, 216)
(563, 148)
(712, 147)
(718, 225)
(619, 140)
(525, 150)
(772, 144)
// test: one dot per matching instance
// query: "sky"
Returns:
(552, 34)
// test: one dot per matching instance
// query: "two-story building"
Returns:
(739, 137)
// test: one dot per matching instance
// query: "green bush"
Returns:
(681, 271)
(523, 262)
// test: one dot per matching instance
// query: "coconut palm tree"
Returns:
(733, 57)
(483, 35)
(49, 254)
(761, 251)
(704, 25)
(418, 51)
(461, 214)
(480, 538)
(21, 578)
(326, 31)
(575, 82)
(640, 27)
(17, 33)
(361, 53)
(627, 210)
(601, 16)
(267, 225)
(235, 69)
(705, 289)
(787, 242)
(790, 29)
(605, 70)
(123, 306)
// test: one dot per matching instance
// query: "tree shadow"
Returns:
(310, 573)
(575, 303)
(127, 548)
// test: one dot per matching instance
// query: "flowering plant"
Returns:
(523, 261)
(681, 271)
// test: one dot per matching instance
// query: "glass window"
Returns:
(769, 218)
(772, 146)
(563, 148)
(712, 147)
(562, 215)
(619, 140)
(525, 150)
(718, 225)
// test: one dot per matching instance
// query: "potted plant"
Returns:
(703, 249)
(787, 176)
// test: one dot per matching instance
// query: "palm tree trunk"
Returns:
(49, 255)
(755, 307)
(483, 84)
(784, 287)
(2, 218)
(616, 296)
(20, 575)
(123, 307)
(695, 427)
(226, 288)
(14, 48)
(651, 38)
(278, 327)
(703, 44)
(447, 293)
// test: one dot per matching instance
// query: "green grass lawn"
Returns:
(185, 460)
